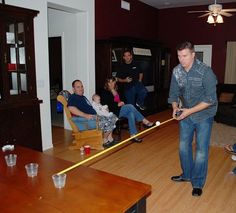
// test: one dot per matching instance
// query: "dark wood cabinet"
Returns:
(164, 77)
(19, 105)
(153, 59)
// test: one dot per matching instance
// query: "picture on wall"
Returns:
(113, 56)
(204, 53)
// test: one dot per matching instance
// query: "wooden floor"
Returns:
(154, 161)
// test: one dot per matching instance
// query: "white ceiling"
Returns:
(161, 4)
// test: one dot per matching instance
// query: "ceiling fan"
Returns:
(215, 12)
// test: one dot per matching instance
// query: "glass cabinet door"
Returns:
(16, 61)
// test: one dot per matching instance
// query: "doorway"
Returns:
(55, 74)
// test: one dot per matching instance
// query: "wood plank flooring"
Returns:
(154, 161)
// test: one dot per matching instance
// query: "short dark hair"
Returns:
(185, 45)
(77, 80)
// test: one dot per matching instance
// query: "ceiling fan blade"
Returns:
(203, 11)
(207, 14)
(225, 14)
(229, 10)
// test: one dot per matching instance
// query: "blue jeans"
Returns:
(139, 91)
(132, 114)
(84, 124)
(195, 168)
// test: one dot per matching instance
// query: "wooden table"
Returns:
(86, 190)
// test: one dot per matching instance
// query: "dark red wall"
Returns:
(176, 25)
(168, 26)
(112, 21)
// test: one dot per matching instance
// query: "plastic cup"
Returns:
(59, 180)
(87, 149)
(82, 150)
(11, 159)
(32, 169)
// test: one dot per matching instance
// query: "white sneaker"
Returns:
(233, 157)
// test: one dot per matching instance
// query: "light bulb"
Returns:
(210, 19)
(219, 19)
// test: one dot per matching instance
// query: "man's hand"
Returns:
(89, 116)
(128, 79)
(183, 113)
(175, 110)
(186, 112)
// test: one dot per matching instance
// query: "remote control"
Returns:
(178, 113)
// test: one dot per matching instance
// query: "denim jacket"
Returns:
(193, 87)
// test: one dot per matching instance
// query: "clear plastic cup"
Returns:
(31, 169)
(11, 159)
(59, 180)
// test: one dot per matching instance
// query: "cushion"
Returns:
(226, 97)
(66, 94)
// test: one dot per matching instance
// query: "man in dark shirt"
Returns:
(131, 76)
(82, 111)
(85, 117)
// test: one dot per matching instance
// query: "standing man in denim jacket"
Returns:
(194, 83)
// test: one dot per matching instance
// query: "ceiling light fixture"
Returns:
(215, 19)
(215, 13)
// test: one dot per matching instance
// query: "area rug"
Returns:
(223, 134)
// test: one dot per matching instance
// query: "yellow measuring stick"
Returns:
(113, 147)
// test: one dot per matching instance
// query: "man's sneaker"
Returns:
(141, 107)
(137, 140)
(233, 157)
